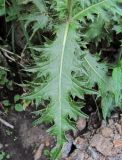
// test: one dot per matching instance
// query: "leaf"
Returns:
(40, 4)
(107, 105)
(16, 98)
(19, 107)
(117, 83)
(95, 30)
(2, 155)
(2, 7)
(6, 103)
(98, 7)
(60, 83)
(118, 28)
(40, 21)
(95, 71)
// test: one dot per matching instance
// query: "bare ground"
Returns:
(27, 142)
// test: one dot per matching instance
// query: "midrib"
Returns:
(61, 68)
(85, 10)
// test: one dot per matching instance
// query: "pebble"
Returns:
(1, 145)
(117, 136)
(90, 158)
(102, 144)
(119, 128)
(111, 122)
(80, 143)
(94, 154)
(81, 124)
(104, 123)
(107, 132)
(117, 157)
(66, 149)
(77, 155)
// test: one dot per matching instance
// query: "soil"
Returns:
(22, 142)
(27, 142)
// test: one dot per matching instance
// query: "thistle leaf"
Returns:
(99, 7)
(60, 83)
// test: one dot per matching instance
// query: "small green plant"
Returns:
(4, 156)
(18, 106)
(47, 153)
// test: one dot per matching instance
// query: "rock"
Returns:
(66, 149)
(1, 145)
(90, 158)
(94, 154)
(77, 155)
(102, 144)
(117, 143)
(117, 136)
(115, 116)
(117, 157)
(111, 122)
(86, 156)
(38, 153)
(106, 132)
(81, 124)
(104, 123)
(81, 143)
(119, 128)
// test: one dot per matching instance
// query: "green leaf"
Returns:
(118, 28)
(2, 155)
(117, 83)
(40, 21)
(16, 97)
(99, 7)
(19, 107)
(6, 103)
(107, 104)
(95, 71)
(2, 7)
(60, 84)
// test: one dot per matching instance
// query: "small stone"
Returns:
(38, 153)
(80, 143)
(66, 149)
(94, 154)
(1, 146)
(117, 157)
(111, 122)
(117, 143)
(77, 155)
(6, 145)
(104, 123)
(90, 158)
(106, 132)
(119, 128)
(81, 124)
(102, 144)
(86, 156)
(115, 116)
(117, 136)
